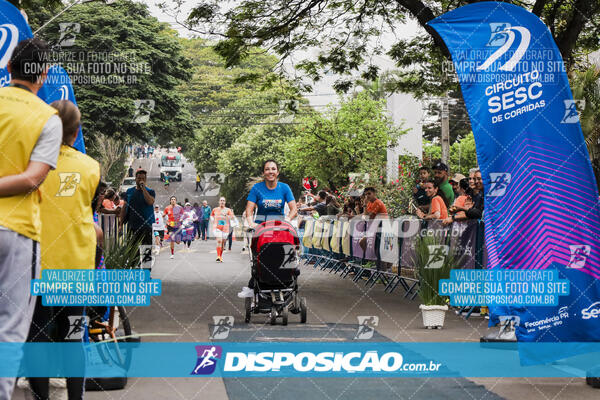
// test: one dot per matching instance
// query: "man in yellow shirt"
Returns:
(30, 136)
(68, 241)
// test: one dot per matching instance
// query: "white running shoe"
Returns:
(172, 256)
(246, 292)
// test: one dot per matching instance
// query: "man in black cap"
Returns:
(137, 211)
(440, 175)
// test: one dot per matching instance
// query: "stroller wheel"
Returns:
(284, 315)
(273, 315)
(248, 304)
(303, 310)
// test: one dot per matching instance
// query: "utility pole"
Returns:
(445, 130)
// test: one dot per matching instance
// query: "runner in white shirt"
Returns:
(158, 227)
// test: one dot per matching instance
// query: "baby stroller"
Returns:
(273, 253)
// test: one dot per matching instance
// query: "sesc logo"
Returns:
(503, 35)
(9, 37)
(572, 108)
(591, 312)
(499, 182)
(64, 92)
(207, 359)
(579, 255)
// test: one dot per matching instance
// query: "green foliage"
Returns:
(121, 253)
(126, 29)
(463, 156)
(350, 139)
(429, 277)
(344, 31)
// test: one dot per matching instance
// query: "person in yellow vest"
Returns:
(68, 242)
(30, 136)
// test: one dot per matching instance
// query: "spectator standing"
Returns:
(440, 176)
(108, 204)
(419, 194)
(332, 205)
(130, 172)
(437, 208)
(457, 210)
(321, 206)
(138, 212)
(205, 212)
(67, 213)
(474, 205)
(30, 137)
(198, 182)
(197, 210)
(374, 206)
(454, 183)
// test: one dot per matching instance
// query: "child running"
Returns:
(174, 213)
(221, 217)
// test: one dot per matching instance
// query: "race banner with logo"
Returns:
(541, 199)
(388, 242)
(463, 241)
(58, 87)
(13, 29)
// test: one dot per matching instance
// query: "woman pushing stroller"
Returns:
(269, 197)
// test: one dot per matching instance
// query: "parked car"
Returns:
(128, 182)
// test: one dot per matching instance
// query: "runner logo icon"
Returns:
(499, 182)
(503, 35)
(366, 327)
(77, 324)
(68, 32)
(498, 35)
(437, 256)
(9, 37)
(68, 183)
(222, 327)
(207, 359)
(579, 255)
(572, 108)
(143, 109)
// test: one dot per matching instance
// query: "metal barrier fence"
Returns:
(371, 249)
(109, 224)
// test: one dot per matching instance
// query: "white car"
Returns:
(128, 182)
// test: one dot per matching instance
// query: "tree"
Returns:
(344, 30)
(213, 86)
(121, 58)
(586, 87)
(350, 139)
(463, 156)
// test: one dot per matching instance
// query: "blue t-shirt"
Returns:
(139, 213)
(205, 211)
(270, 203)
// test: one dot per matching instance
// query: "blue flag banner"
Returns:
(541, 199)
(58, 87)
(13, 29)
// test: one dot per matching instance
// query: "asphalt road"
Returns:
(196, 288)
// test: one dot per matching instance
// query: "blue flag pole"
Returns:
(541, 200)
